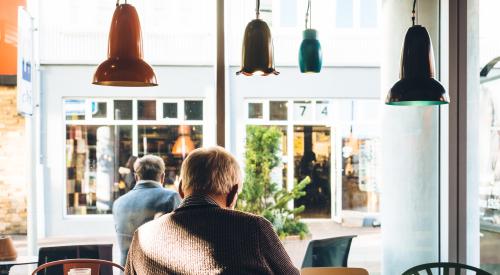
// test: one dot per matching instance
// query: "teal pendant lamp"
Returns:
(417, 86)
(310, 56)
(257, 53)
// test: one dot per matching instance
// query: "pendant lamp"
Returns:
(310, 57)
(184, 144)
(417, 85)
(125, 66)
(257, 52)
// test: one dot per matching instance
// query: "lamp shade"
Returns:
(417, 86)
(125, 66)
(310, 56)
(257, 52)
(183, 145)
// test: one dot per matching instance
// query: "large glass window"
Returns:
(100, 148)
(489, 141)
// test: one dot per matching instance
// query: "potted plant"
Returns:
(261, 195)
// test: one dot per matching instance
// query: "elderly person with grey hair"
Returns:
(205, 235)
(146, 201)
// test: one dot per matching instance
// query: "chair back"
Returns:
(456, 268)
(54, 253)
(333, 271)
(67, 265)
(328, 252)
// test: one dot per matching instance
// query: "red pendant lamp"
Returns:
(125, 66)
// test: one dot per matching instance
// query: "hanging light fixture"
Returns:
(184, 144)
(257, 52)
(125, 66)
(417, 86)
(310, 57)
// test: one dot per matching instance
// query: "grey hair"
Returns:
(149, 167)
(210, 170)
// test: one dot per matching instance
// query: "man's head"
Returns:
(149, 167)
(211, 171)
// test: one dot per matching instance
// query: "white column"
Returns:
(410, 152)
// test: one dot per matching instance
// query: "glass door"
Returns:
(312, 158)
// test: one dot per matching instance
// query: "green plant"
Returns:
(260, 195)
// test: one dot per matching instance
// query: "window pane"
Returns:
(146, 109)
(193, 109)
(323, 110)
(368, 14)
(312, 159)
(302, 110)
(359, 174)
(255, 110)
(278, 110)
(94, 155)
(172, 143)
(99, 109)
(344, 14)
(74, 109)
(123, 109)
(170, 110)
(288, 13)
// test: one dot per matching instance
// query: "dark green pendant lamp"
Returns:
(417, 86)
(257, 52)
(310, 57)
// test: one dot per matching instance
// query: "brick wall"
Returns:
(13, 216)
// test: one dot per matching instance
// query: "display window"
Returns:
(105, 136)
(325, 140)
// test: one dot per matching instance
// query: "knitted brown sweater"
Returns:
(207, 240)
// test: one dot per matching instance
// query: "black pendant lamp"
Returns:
(310, 57)
(125, 66)
(417, 85)
(257, 52)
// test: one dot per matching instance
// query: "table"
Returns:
(21, 260)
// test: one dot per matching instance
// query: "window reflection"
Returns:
(146, 109)
(193, 109)
(123, 110)
(93, 156)
(100, 156)
(172, 143)
(312, 157)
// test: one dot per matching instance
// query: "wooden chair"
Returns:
(93, 264)
(333, 271)
(456, 267)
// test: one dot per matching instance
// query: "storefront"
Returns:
(93, 133)
(104, 128)
(332, 139)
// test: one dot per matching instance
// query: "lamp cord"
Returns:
(413, 12)
(309, 14)
(118, 2)
(257, 8)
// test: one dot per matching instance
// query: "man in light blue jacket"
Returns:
(146, 201)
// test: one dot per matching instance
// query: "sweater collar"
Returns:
(197, 201)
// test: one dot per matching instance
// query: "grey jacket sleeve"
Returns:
(272, 250)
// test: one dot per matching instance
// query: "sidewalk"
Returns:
(365, 249)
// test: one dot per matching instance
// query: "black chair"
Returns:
(328, 252)
(446, 267)
(55, 253)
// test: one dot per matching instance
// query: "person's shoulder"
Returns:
(155, 224)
